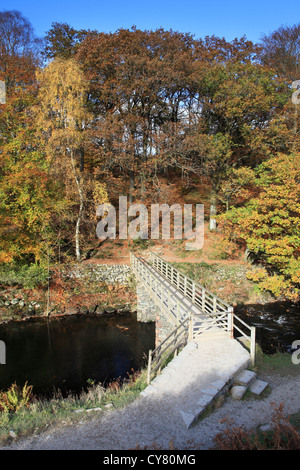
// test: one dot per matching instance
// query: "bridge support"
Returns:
(148, 311)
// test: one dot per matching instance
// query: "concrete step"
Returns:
(245, 378)
(258, 386)
(202, 370)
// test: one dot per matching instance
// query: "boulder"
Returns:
(109, 310)
(238, 391)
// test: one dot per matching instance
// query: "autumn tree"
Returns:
(28, 198)
(26, 194)
(62, 40)
(281, 51)
(239, 99)
(63, 120)
(137, 91)
(266, 218)
(19, 50)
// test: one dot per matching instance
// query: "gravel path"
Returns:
(138, 425)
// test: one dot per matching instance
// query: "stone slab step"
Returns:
(245, 378)
(258, 386)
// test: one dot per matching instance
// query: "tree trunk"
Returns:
(77, 231)
(213, 212)
(81, 201)
(131, 185)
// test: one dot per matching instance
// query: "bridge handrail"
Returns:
(206, 300)
(250, 337)
(140, 265)
(177, 338)
(141, 268)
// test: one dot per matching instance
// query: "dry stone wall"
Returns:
(148, 311)
(110, 273)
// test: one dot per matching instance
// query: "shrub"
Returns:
(16, 397)
(282, 436)
(26, 276)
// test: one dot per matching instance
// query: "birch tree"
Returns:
(63, 119)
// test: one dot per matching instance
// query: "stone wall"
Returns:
(146, 308)
(110, 273)
(148, 311)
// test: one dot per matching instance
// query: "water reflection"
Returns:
(63, 353)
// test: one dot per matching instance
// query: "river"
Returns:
(66, 353)
(277, 324)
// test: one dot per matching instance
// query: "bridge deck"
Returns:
(192, 380)
(208, 363)
(179, 303)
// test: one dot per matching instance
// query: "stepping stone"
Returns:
(205, 400)
(210, 390)
(199, 411)
(246, 377)
(238, 391)
(219, 384)
(258, 386)
(188, 418)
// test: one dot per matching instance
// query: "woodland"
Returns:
(90, 116)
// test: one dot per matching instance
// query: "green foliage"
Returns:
(283, 436)
(268, 223)
(15, 398)
(42, 413)
(27, 276)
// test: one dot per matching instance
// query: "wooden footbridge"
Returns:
(194, 313)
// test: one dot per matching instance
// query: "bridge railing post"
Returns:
(252, 344)
(191, 327)
(230, 322)
(149, 367)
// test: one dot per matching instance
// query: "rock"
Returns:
(12, 434)
(266, 427)
(238, 391)
(14, 301)
(100, 311)
(120, 308)
(109, 310)
(21, 303)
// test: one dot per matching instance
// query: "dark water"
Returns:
(277, 324)
(64, 353)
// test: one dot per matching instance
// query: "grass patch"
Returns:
(40, 415)
(227, 281)
(279, 363)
